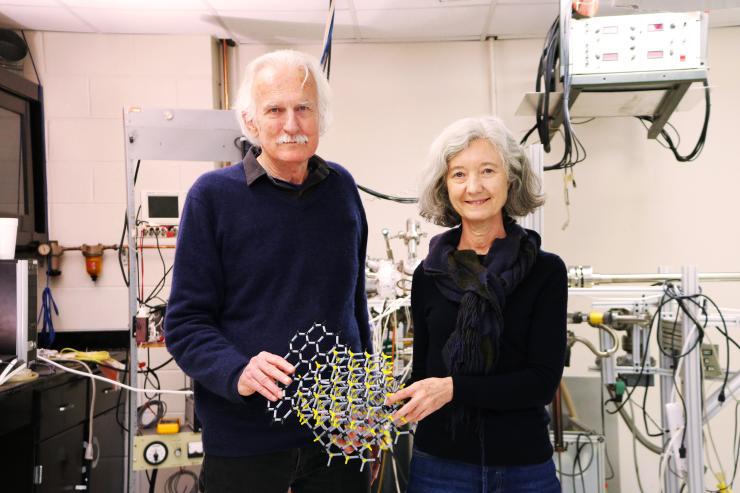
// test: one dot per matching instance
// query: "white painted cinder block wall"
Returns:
(88, 79)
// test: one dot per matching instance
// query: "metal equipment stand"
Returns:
(692, 377)
(165, 135)
(692, 389)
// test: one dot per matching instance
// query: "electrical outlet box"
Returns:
(710, 361)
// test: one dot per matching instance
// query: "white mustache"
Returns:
(292, 139)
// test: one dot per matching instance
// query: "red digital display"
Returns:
(655, 27)
(610, 57)
(655, 54)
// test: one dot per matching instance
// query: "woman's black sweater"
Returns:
(512, 400)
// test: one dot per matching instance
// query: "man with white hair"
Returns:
(266, 248)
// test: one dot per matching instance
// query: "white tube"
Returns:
(119, 384)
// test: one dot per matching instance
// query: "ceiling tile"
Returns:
(152, 21)
(644, 6)
(522, 20)
(302, 21)
(30, 3)
(527, 2)
(414, 4)
(423, 24)
(138, 4)
(285, 27)
(44, 19)
(276, 5)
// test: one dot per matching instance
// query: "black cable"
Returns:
(326, 55)
(126, 380)
(673, 366)
(546, 82)
(573, 468)
(603, 433)
(644, 404)
(662, 142)
(123, 233)
(161, 411)
(153, 481)
(526, 135)
(120, 250)
(579, 447)
(577, 462)
(694, 299)
(645, 415)
(674, 295)
(153, 378)
(669, 295)
(728, 339)
(683, 403)
(642, 367)
(702, 136)
(721, 395)
(546, 76)
(590, 459)
(400, 200)
(242, 144)
(118, 417)
(611, 473)
(173, 482)
(328, 61)
(140, 287)
(157, 289)
(157, 368)
(148, 372)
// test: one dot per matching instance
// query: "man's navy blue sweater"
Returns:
(254, 265)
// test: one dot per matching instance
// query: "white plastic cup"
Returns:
(8, 232)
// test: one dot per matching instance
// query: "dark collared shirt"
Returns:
(318, 170)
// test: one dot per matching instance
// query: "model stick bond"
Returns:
(340, 395)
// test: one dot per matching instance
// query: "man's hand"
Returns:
(261, 374)
(426, 396)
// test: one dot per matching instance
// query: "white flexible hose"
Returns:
(119, 384)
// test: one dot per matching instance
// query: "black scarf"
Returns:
(481, 291)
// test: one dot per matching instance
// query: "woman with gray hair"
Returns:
(489, 310)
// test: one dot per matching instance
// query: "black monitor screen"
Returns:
(8, 314)
(163, 206)
(12, 180)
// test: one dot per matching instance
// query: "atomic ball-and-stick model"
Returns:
(340, 395)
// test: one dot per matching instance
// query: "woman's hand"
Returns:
(426, 396)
